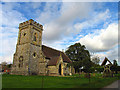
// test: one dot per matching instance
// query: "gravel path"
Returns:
(115, 85)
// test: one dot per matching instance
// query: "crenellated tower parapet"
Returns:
(31, 22)
(30, 32)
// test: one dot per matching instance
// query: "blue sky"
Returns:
(93, 24)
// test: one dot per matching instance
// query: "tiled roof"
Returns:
(54, 54)
(53, 61)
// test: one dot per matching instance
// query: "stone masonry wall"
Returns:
(53, 71)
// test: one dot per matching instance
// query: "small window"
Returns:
(34, 55)
(20, 61)
(35, 36)
(24, 34)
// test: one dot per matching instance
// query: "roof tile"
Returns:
(54, 54)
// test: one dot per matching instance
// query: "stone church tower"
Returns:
(28, 56)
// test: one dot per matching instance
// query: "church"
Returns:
(33, 58)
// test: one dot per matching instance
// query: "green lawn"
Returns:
(19, 81)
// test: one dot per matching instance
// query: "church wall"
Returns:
(53, 70)
(42, 68)
(22, 51)
(64, 68)
(34, 59)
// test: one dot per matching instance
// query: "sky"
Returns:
(93, 24)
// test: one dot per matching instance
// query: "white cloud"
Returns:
(9, 30)
(49, 13)
(111, 55)
(62, 26)
(8, 43)
(8, 49)
(10, 17)
(71, 11)
(101, 40)
(94, 20)
(7, 59)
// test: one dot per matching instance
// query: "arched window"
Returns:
(20, 61)
(35, 37)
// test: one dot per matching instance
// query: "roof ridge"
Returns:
(66, 56)
(53, 53)
(52, 48)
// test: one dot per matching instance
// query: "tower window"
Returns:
(20, 61)
(24, 34)
(35, 36)
(34, 55)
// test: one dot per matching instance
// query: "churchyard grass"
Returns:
(75, 81)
